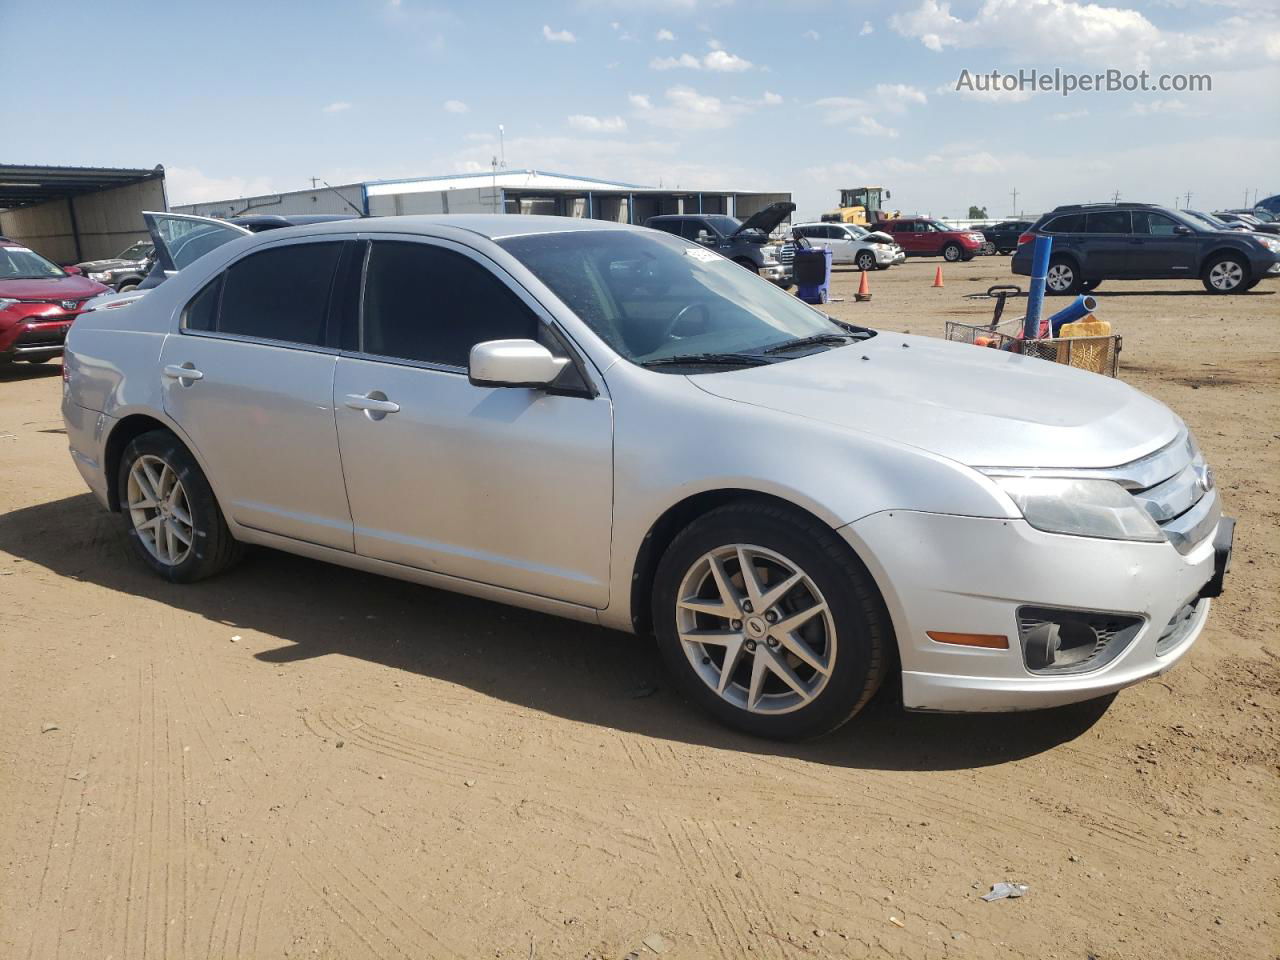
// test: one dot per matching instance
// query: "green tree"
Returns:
(977, 213)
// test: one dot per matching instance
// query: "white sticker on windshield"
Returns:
(19, 249)
(706, 256)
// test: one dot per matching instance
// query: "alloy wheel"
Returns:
(1226, 275)
(1060, 277)
(866, 261)
(159, 510)
(951, 254)
(756, 629)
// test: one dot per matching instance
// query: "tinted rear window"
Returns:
(280, 294)
(1107, 221)
(1067, 223)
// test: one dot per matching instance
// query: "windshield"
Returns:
(723, 225)
(19, 263)
(139, 251)
(650, 295)
(1213, 222)
(938, 226)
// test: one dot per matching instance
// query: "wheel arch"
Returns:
(134, 424)
(679, 516)
(1226, 250)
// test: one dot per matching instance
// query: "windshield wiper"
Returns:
(708, 359)
(817, 338)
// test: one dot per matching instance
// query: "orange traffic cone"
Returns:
(937, 278)
(864, 289)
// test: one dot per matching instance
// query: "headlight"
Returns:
(103, 277)
(1082, 508)
(769, 251)
(1271, 243)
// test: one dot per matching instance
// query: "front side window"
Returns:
(427, 303)
(279, 294)
(693, 229)
(651, 296)
(1154, 224)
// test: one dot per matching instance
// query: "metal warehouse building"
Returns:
(71, 214)
(509, 191)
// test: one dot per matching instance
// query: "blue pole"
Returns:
(1035, 297)
(1081, 306)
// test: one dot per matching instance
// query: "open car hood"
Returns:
(767, 220)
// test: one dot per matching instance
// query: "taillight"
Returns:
(1026, 238)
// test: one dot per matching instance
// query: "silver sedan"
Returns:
(615, 425)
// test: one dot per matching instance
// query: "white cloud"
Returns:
(664, 34)
(337, 106)
(686, 109)
(686, 60)
(867, 28)
(1069, 115)
(725, 62)
(189, 185)
(718, 60)
(899, 96)
(812, 35)
(455, 106)
(838, 110)
(871, 127)
(581, 121)
(989, 94)
(771, 99)
(1071, 31)
(557, 36)
(1158, 106)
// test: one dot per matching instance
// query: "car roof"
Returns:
(493, 226)
(1122, 205)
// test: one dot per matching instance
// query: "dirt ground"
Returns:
(297, 760)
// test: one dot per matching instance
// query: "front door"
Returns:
(1158, 249)
(249, 379)
(504, 486)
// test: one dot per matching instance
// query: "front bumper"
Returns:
(971, 575)
(777, 272)
(889, 258)
(35, 337)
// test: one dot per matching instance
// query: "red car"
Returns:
(926, 237)
(38, 302)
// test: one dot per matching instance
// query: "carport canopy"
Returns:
(25, 186)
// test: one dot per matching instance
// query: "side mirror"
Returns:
(1181, 230)
(513, 363)
(74, 271)
(704, 237)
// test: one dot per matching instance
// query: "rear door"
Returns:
(504, 486)
(1109, 251)
(249, 379)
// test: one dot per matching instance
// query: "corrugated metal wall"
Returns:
(107, 222)
(478, 200)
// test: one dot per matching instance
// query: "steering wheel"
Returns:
(680, 315)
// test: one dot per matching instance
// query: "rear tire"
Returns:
(1226, 273)
(1063, 278)
(170, 515)
(843, 643)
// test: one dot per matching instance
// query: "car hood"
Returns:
(974, 405)
(114, 263)
(51, 288)
(877, 236)
(767, 220)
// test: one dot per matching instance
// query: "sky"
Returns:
(805, 96)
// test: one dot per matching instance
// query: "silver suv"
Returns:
(620, 426)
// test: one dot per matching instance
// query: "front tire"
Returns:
(172, 520)
(1226, 274)
(866, 260)
(749, 265)
(952, 252)
(769, 622)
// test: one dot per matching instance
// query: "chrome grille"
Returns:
(787, 252)
(1185, 502)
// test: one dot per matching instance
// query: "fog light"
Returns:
(1072, 641)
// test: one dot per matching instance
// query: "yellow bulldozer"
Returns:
(861, 205)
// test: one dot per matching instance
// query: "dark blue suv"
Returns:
(1141, 241)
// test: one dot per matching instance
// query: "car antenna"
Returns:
(358, 211)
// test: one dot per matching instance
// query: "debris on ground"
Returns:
(1003, 891)
(49, 727)
(897, 923)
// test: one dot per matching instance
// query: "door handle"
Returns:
(374, 404)
(184, 374)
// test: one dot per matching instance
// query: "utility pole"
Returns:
(1014, 193)
(502, 147)
(1188, 206)
(494, 164)
(1115, 197)
(314, 181)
